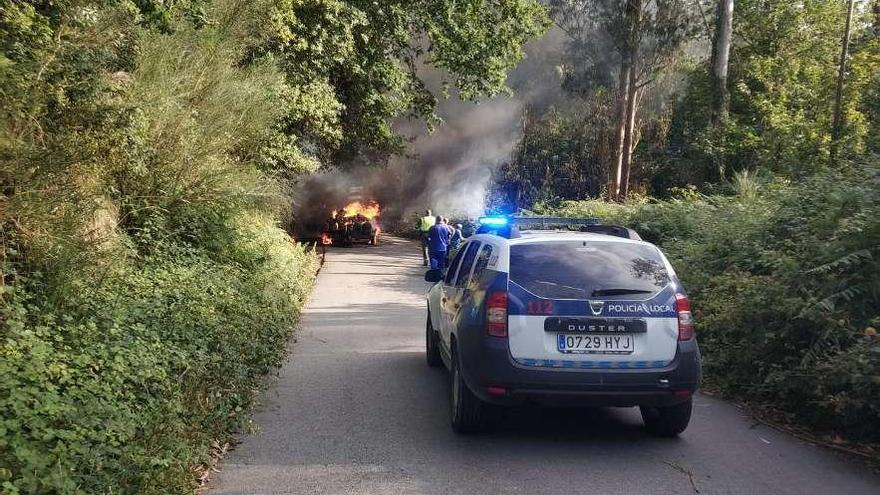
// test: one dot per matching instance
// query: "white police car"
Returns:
(590, 317)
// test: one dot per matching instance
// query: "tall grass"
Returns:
(147, 287)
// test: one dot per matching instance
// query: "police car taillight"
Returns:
(685, 318)
(496, 314)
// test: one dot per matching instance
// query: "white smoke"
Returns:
(450, 169)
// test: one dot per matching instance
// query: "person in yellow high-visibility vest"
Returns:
(425, 224)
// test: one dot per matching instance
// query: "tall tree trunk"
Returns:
(876, 10)
(720, 61)
(628, 140)
(837, 130)
(634, 21)
(616, 174)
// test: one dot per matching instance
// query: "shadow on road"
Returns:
(356, 410)
(526, 425)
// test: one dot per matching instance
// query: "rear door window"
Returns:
(466, 264)
(588, 269)
(453, 267)
(482, 261)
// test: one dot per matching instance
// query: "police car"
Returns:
(560, 311)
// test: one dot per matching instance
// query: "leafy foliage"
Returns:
(124, 388)
(146, 287)
(556, 158)
(783, 72)
(782, 82)
(144, 146)
(368, 54)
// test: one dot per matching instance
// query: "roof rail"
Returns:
(615, 230)
(539, 222)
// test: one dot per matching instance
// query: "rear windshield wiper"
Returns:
(554, 284)
(618, 292)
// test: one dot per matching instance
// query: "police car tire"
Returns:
(467, 411)
(667, 421)
(432, 347)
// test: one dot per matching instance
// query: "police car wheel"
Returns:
(667, 421)
(467, 411)
(432, 347)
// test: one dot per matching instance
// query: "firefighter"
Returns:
(425, 224)
(438, 242)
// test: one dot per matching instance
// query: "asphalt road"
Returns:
(357, 411)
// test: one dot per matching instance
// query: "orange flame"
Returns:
(369, 209)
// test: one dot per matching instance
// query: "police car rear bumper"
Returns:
(493, 375)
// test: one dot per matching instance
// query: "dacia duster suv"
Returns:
(591, 317)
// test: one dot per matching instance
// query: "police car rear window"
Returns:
(588, 269)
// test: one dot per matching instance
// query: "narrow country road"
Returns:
(356, 411)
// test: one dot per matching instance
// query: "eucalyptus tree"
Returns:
(646, 37)
(841, 77)
(721, 42)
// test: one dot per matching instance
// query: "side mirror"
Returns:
(434, 275)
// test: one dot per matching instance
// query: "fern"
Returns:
(844, 262)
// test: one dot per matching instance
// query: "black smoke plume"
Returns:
(447, 170)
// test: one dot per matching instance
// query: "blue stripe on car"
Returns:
(565, 363)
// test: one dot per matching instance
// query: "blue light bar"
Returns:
(494, 221)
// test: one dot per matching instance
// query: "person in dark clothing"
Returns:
(457, 237)
(449, 227)
(438, 243)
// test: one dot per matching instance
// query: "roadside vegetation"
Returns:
(761, 185)
(147, 287)
(145, 149)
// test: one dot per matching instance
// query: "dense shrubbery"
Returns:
(123, 387)
(785, 281)
(146, 285)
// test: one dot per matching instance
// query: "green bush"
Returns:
(146, 287)
(785, 282)
(123, 389)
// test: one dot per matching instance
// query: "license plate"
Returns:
(595, 344)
